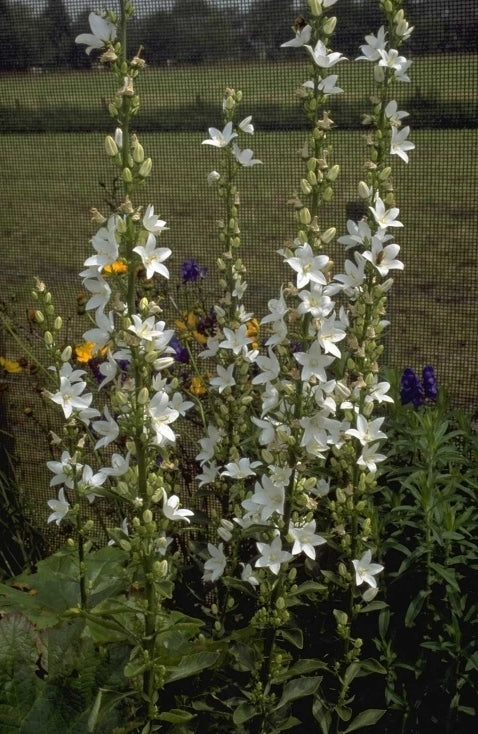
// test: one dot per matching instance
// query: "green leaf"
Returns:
(344, 713)
(351, 672)
(370, 665)
(294, 636)
(446, 573)
(374, 606)
(301, 667)
(298, 688)
(244, 712)
(322, 715)
(192, 665)
(365, 718)
(176, 716)
(415, 607)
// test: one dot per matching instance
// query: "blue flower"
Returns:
(430, 383)
(411, 389)
(191, 271)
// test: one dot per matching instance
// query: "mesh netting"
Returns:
(53, 115)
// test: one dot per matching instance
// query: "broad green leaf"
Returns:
(370, 665)
(351, 672)
(192, 665)
(244, 712)
(322, 715)
(365, 718)
(344, 713)
(294, 636)
(298, 688)
(176, 716)
(301, 667)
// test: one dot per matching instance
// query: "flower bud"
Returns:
(143, 396)
(328, 235)
(145, 169)
(363, 190)
(385, 173)
(238, 95)
(39, 317)
(315, 7)
(305, 187)
(333, 172)
(48, 337)
(312, 178)
(66, 354)
(58, 323)
(110, 146)
(147, 517)
(127, 175)
(329, 25)
(138, 153)
(229, 103)
(304, 216)
(328, 193)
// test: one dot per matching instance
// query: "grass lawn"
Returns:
(53, 180)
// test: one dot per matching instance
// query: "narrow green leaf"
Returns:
(365, 718)
(446, 573)
(415, 607)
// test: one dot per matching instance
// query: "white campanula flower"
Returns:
(224, 377)
(359, 233)
(236, 340)
(308, 266)
(246, 125)
(385, 217)
(277, 309)
(302, 36)
(354, 276)
(269, 368)
(209, 474)
(315, 302)
(100, 290)
(365, 571)
(171, 508)
(383, 258)
(220, 139)
(326, 85)
(152, 222)
(107, 428)
(215, 566)
(394, 114)
(105, 244)
(69, 397)
(213, 178)
(153, 257)
(162, 415)
(392, 60)
(375, 44)
(272, 555)
(240, 469)
(329, 333)
(244, 157)
(323, 59)
(305, 539)
(60, 507)
(102, 31)
(369, 458)
(367, 431)
(314, 362)
(64, 470)
(247, 574)
(399, 143)
(268, 498)
(119, 465)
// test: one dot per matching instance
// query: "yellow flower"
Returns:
(252, 330)
(198, 386)
(10, 366)
(116, 268)
(189, 324)
(84, 352)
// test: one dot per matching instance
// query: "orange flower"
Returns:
(252, 330)
(84, 352)
(189, 324)
(117, 268)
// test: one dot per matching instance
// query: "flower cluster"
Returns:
(416, 391)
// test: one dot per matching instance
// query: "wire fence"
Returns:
(53, 114)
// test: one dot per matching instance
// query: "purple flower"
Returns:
(180, 352)
(411, 389)
(430, 383)
(191, 271)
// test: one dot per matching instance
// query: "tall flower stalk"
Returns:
(290, 413)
